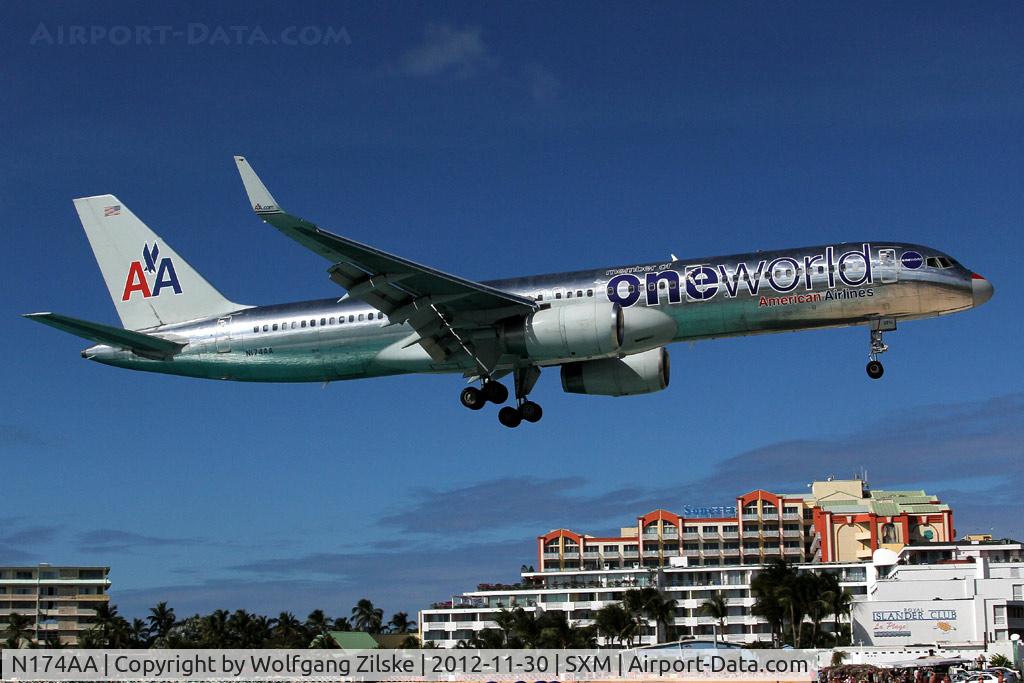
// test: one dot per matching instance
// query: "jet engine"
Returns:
(580, 330)
(639, 373)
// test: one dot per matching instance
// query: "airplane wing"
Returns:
(445, 310)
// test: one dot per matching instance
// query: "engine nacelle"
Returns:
(640, 373)
(567, 331)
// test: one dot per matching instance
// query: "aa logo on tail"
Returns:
(138, 280)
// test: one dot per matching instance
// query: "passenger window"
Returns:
(275, 327)
(351, 318)
(265, 327)
(568, 295)
(558, 295)
(332, 320)
(360, 317)
(590, 292)
(256, 328)
(579, 292)
(323, 321)
(293, 324)
(312, 323)
(303, 323)
(821, 269)
(540, 297)
(369, 316)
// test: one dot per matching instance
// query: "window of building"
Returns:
(710, 529)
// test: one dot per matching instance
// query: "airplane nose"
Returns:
(981, 288)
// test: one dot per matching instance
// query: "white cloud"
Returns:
(447, 52)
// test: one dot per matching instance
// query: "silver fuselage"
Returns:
(328, 339)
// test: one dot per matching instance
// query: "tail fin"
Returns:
(150, 284)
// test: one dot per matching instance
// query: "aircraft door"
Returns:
(223, 335)
(887, 265)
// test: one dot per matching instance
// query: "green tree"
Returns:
(616, 624)
(161, 620)
(400, 623)
(288, 632)
(318, 623)
(366, 617)
(717, 608)
(18, 631)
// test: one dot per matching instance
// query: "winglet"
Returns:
(259, 197)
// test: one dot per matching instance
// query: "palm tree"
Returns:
(505, 621)
(288, 631)
(341, 624)
(615, 623)
(161, 620)
(139, 634)
(366, 617)
(17, 630)
(717, 608)
(112, 629)
(768, 605)
(839, 601)
(214, 631)
(318, 623)
(649, 603)
(324, 641)
(400, 623)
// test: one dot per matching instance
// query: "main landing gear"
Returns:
(495, 392)
(875, 368)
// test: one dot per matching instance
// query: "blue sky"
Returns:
(493, 140)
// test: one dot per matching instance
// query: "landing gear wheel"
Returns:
(472, 398)
(530, 411)
(510, 417)
(495, 392)
(875, 369)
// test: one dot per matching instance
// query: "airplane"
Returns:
(606, 329)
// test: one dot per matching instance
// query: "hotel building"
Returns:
(59, 601)
(693, 555)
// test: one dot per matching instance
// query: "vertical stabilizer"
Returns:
(149, 282)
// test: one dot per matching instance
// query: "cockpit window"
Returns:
(940, 262)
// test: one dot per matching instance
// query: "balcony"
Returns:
(551, 555)
(650, 534)
(770, 533)
(751, 534)
(690, 552)
(590, 554)
(749, 517)
(670, 532)
(731, 552)
(690, 536)
(793, 550)
(772, 550)
(730, 534)
(791, 516)
(631, 554)
(770, 516)
(792, 533)
(650, 553)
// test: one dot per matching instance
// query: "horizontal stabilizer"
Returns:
(141, 344)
